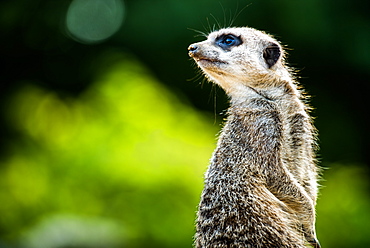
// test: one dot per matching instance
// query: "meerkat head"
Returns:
(236, 58)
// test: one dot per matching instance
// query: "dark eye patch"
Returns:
(227, 41)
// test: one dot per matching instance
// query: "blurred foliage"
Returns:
(126, 150)
(343, 216)
(105, 145)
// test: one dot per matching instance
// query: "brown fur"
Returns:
(261, 186)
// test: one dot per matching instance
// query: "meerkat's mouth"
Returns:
(203, 60)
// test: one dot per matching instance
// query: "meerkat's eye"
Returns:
(228, 41)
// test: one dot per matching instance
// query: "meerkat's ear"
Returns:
(271, 54)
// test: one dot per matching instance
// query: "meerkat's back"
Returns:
(261, 186)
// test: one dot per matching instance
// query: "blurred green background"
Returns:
(107, 127)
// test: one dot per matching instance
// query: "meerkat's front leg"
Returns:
(290, 192)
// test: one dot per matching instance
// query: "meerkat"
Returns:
(261, 185)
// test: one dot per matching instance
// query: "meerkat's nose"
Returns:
(192, 49)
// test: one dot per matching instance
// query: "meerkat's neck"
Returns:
(281, 90)
(277, 86)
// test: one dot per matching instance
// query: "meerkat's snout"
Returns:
(198, 52)
(192, 49)
(206, 56)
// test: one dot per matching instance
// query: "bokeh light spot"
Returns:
(93, 21)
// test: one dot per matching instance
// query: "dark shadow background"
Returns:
(328, 42)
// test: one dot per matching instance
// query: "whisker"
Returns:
(237, 13)
(200, 33)
(217, 22)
